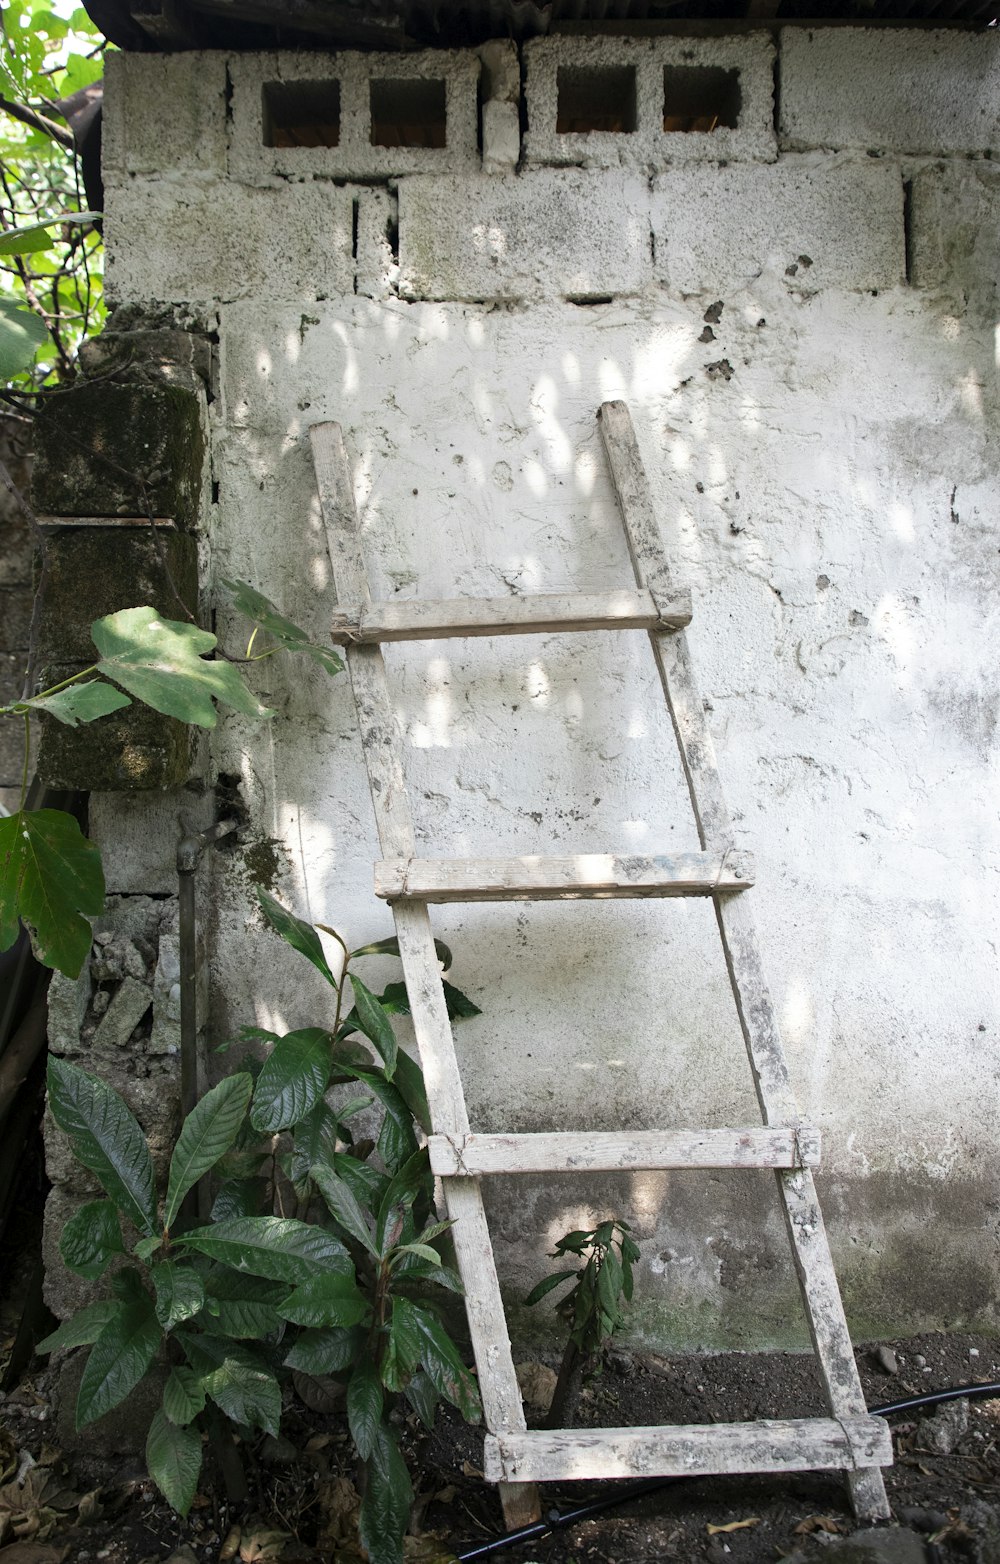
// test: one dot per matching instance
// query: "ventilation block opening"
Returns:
(700, 98)
(302, 114)
(594, 98)
(408, 112)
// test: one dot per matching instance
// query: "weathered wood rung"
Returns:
(695, 1450)
(583, 876)
(424, 620)
(584, 1151)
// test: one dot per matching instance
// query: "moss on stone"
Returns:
(132, 750)
(118, 450)
(93, 571)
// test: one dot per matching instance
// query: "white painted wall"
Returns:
(823, 454)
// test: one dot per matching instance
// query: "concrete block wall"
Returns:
(799, 307)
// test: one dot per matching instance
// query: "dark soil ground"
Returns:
(80, 1505)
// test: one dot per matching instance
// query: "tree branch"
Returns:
(38, 121)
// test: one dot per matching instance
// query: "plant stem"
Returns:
(560, 1396)
(27, 757)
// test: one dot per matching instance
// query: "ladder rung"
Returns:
(582, 876)
(599, 1151)
(424, 620)
(692, 1450)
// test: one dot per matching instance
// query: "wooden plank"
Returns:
(384, 761)
(600, 1151)
(692, 1450)
(416, 620)
(583, 876)
(758, 1021)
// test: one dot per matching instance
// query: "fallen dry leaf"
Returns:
(468, 1470)
(817, 1523)
(751, 1520)
(230, 1546)
(261, 1543)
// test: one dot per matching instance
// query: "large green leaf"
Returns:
(342, 1204)
(263, 612)
(81, 1328)
(546, 1285)
(239, 1197)
(423, 1398)
(237, 1380)
(412, 1179)
(390, 947)
(364, 1405)
(22, 333)
(325, 1300)
(173, 1457)
(180, 1292)
(295, 932)
(395, 1000)
(51, 876)
(118, 1359)
(91, 1238)
(385, 1508)
(33, 238)
(328, 1350)
(293, 1079)
(315, 1141)
(375, 1024)
(81, 702)
(209, 1131)
(278, 1247)
(366, 1183)
(397, 1141)
(162, 662)
(439, 1357)
(106, 1138)
(409, 1078)
(183, 1395)
(244, 1306)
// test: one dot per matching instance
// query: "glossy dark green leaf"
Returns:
(244, 1306)
(207, 1134)
(366, 1183)
(163, 663)
(83, 702)
(173, 1459)
(183, 1395)
(295, 932)
(423, 1398)
(51, 878)
(364, 1406)
(325, 1300)
(239, 1197)
(278, 1247)
(118, 1359)
(460, 1006)
(81, 1328)
(573, 1243)
(409, 1079)
(263, 612)
(411, 1181)
(396, 1141)
(375, 1024)
(292, 1081)
(33, 238)
(385, 1508)
(105, 1137)
(547, 1285)
(342, 1205)
(22, 333)
(147, 1247)
(180, 1292)
(390, 947)
(328, 1350)
(439, 1358)
(236, 1379)
(91, 1239)
(315, 1141)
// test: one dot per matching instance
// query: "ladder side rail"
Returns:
(758, 1022)
(384, 762)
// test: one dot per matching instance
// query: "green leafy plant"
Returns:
(232, 1306)
(50, 874)
(592, 1310)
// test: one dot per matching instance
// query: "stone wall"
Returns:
(799, 307)
(16, 554)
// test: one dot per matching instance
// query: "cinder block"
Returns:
(821, 223)
(551, 234)
(119, 450)
(164, 114)
(664, 101)
(954, 225)
(284, 104)
(177, 243)
(378, 229)
(889, 89)
(500, 106)
(131, 750)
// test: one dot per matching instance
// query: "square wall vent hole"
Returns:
(302, 114)
(408, 112)
(595, 98)
(700, 97)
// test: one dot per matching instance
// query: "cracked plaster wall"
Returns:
(806, 338)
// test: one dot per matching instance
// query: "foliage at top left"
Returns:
(50, 249)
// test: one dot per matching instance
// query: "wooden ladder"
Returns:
(848, 1439)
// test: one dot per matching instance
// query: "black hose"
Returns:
(557, 1522)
